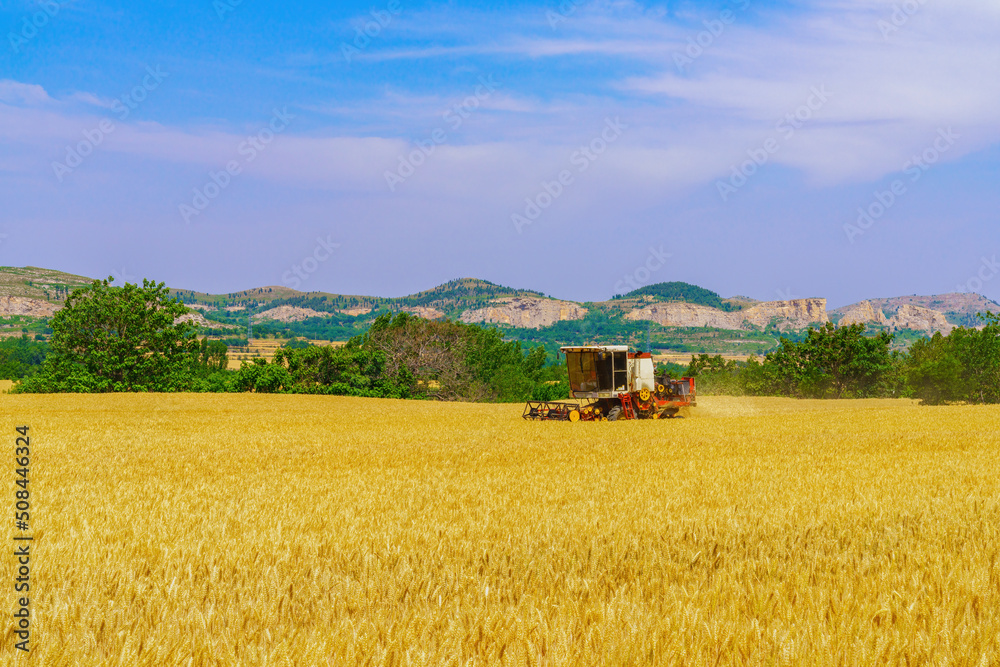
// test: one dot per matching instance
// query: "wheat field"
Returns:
(302, 530)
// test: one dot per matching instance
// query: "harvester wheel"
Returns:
(574, 415)
(613, 413)
(643, 394)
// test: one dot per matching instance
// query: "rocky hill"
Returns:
(786, 315)
(525, 312)
(941, 312)
(19, 305)
(38, 284)
(35, 294)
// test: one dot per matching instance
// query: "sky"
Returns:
(772, 149)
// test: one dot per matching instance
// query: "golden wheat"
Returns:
(298, 530)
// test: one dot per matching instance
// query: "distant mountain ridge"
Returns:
(35, 292)
(960, 308)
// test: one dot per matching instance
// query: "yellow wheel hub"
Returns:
(643, 394)
(574, 415)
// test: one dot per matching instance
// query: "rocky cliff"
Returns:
(425, 312)
(288, 314)
(197, 318)
(959, 308)
(685, 315)
(19, 305)
(920, 319)
(525, 312)
(794, 314)
(863, 313)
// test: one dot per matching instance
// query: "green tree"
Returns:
(262, 377)
(118, 339)
(21, 357)
(835, 362)
(715, 375)
(350, 371)
(979, 351)
(963, 366)
(934, 372)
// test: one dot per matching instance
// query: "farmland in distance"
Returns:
(314, 530)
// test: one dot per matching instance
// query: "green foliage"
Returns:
(260, 376)
(21, 357)
(336, 327)
(679, 291)
(829, 362)
(715, 375)
(457, 295)
(453, 361)
(963, 366)
(210, 357)
(935, 373)
(672, 370)
(836, 363)
(118, 339)
(349, 371)
(217, 382)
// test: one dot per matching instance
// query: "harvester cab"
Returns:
(612, 383)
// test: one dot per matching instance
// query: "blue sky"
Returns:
(775, 149)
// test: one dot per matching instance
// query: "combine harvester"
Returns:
(614, 384)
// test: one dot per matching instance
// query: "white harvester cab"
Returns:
(604, 371)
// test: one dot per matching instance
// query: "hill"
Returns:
(31, 282)
(679, 291)
(450, 299)
(959, 308)
(674, 317)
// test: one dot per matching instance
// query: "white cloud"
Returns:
(15, 92)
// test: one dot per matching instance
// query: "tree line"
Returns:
(844, 362)
(130, 339)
